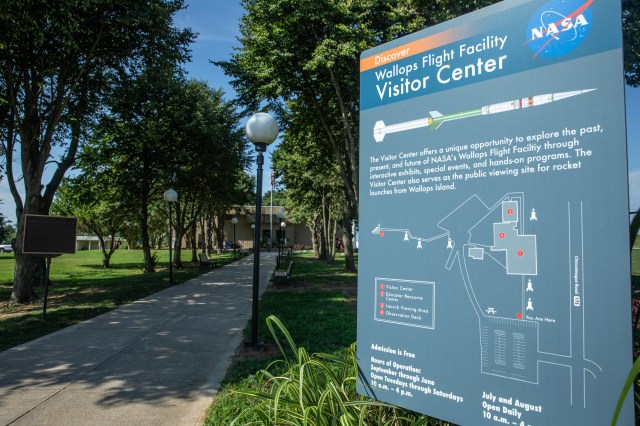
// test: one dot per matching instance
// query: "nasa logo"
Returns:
(558, 27)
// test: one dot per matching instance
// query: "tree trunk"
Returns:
(29, 271)
(347, 242)
(194, 242)
(106, 260)
(333, 230)
(177, 249)
(219, 232)
(149, 262)
(203, 234)
(106, 255)
(322, 253)
(328, 233)
(209, 235)
(314, 240)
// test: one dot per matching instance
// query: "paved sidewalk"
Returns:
(157, 361)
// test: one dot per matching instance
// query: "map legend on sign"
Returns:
(405, 302)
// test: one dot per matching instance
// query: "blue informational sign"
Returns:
(494, 279)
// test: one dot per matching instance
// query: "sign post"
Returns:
(49, 236)
(494, 279)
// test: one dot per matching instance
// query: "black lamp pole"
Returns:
(261, 129)
(234, 221)
(260, 148)
(280, 245)
(170, 247)
(170, 197)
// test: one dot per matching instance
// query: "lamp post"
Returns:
(280, 215)
(283, 225)
(170, 196)
(253, 229)
(261, 129)
(234, 221)
(204, 240)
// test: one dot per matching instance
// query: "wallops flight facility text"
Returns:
(397, 80)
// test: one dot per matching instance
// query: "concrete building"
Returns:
(294, 233)
(91, 242)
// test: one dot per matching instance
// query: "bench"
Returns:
(205, 262)
(283, 256)
(243, 251)
(284, 275)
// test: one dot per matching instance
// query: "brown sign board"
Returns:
(49, 235)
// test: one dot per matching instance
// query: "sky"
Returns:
(217, 24)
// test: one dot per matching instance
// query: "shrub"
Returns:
(316, 390)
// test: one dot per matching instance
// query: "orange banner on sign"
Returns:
(415, 47)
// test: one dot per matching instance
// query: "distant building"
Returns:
(294, 233)
(91, 242)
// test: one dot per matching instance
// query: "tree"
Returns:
(308, 52)
(211, 157)
(631, 36)
(279, 197)
(314, 189)
(218, 204)
(57, 63)
(98, 209)
(134, 144)
(7, 231)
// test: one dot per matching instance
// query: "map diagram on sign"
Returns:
(498, 263)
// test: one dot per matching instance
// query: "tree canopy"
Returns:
(301, 59)
(58, 62)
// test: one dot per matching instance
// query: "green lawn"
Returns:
(82, 290)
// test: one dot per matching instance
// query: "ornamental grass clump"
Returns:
(316, 390)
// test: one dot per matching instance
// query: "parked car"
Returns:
(6, 248)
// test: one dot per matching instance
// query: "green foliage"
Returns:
(59, 62)
(302, 60)
(98, 208)
(7, 231)
(315, 192)
(165, 132)
(631, 37)
(279, 197)
(154, 259)
(210, 160)
(326, 325)
(631, 379)
(634, 229)
(316, 389)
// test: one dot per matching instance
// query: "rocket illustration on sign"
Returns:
(435, 119)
